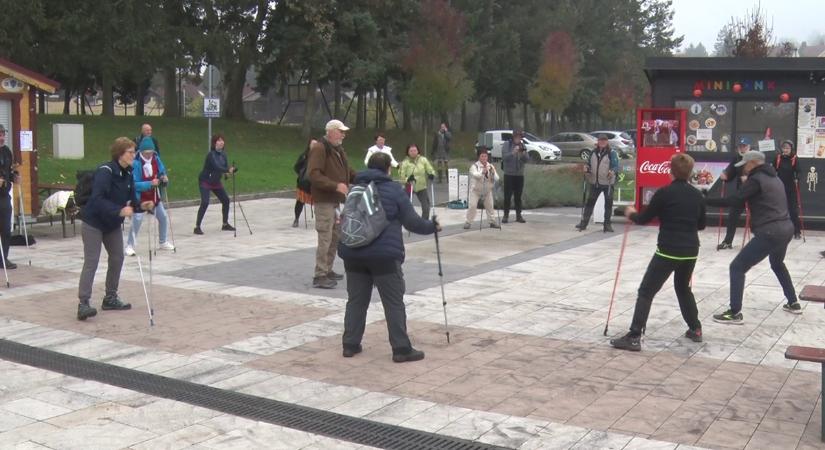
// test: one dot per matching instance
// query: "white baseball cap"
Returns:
(336, 124)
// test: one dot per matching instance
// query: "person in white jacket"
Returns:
(483, 177)
(379, 147)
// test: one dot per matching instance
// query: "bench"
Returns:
(811, 354)
(44, 190)
(813, 293)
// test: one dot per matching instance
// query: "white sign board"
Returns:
(704, 134)
(806, 113)
(767, 145)
(452, 185)
(805, 142)
(211, 107)
(26, 141)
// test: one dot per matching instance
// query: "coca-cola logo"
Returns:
(660, 168)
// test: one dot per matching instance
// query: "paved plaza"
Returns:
(528, 365)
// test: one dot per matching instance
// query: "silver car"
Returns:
(574, 144)
(619, 141)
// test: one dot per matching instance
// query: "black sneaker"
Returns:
(627, 342)
(85, 311)
(793, 308)
(115, 303)
(295, 223)
(198, 230)
(694, 335)
(408, 356)
(334, 276)
(323, 283)
(227, 227)
(520, 219)
(494, 225)
(728, 317)
(10, 265)
(505, 219)
(351, 350)
(608, 228)
(581, 226)
(723, 246)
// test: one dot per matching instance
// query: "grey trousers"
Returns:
(92, 239)
(389, 279)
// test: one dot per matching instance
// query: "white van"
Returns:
(538, 150)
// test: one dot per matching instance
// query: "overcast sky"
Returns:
(701, 20)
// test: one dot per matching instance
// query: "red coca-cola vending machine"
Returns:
(660, 133)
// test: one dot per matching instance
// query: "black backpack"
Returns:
(83, 188)
(300, 169)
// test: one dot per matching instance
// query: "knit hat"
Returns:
(786, 141)
(146, 144)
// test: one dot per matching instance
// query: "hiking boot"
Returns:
(608, 228)
(295, 223)
(628, 342)
(793, 308)
(351, 350)
(505, 219)
(115, 303)
(723, 245)
(85, 311)
(10, 265)
(323, 283)
(581, 226)
(520, 219)
(166, 246)
(227, 227)
(407, 356)
(129, 251)
(467, 226)
(728, 317)
(198, 230)
(494, 225)
(694, 335)
(334, 276)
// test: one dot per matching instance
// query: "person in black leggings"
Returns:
(303, 195)
(214, 167)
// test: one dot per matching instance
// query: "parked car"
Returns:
(632, 134)
(619, 141)
(574, 144)
(537, 149)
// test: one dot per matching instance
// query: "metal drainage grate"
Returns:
(311, 420)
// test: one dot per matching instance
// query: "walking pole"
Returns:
(746, 234)
(165, 200)
(616, 279)
(146, 293)
(306, 207)
(798, 202)
(243, 214)
(234, 212)
(483, 189)
(719, 230)
(584, 198)
(3, 258)
(498, 217)
(412, 188)
(23, 221)
(440, 272)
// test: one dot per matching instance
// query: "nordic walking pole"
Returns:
(23, 221)
(3, 258)
(440, 271)
(584, 198)
(243, 214)
(146, 294)
(719, 230)
(412, 188)
(747, 224)
(234, 202)
(801, 216)
(618, 271)
(165, 200)
(483, 189)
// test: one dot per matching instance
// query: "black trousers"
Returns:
(5, 223)
(793, 209)
(657, 273)
(221, 194)
(389, 279)
(733, 218)
(595, 191)
(513, 186)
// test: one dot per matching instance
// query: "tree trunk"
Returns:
(378, 104)
(140, 106)
(510, 121)
(406, 116)
(537, 117)
(67, 101)
(482, 114)
(337, 93)
(463, 124)
(309, 109)
(359, 104)
(108, 96)
(234, 79)
(170, 93)
(525, 122)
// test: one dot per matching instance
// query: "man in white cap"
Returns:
(330, 175)
(772, 232)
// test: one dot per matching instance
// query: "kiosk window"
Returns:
(753, 119)
(709, 127)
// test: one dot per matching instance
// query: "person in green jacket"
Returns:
(416, 170)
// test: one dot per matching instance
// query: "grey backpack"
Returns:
(363, 218)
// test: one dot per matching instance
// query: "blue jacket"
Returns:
(389, 245)
(214, 167)
(113, 187)
(137, 172)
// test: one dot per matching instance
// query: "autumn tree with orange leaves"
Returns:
(555, 81)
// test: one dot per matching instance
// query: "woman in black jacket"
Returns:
(303, 194)
(214, 167)
(787, 170)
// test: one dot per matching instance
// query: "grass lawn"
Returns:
(264, 154)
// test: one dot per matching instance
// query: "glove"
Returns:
(411, 179)
(431, 177)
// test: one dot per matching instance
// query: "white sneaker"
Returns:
(129, 251)
(166, 246)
